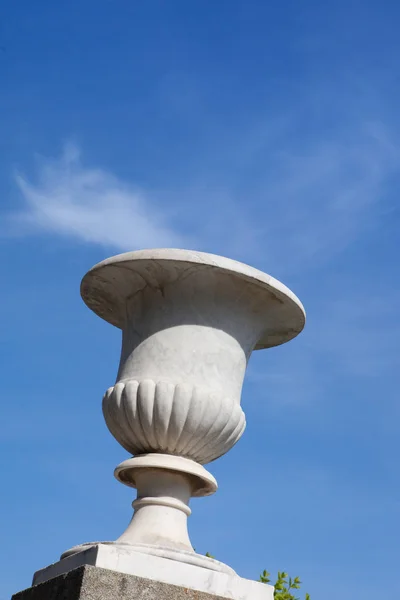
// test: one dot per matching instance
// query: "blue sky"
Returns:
(265, 131)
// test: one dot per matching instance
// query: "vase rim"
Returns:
(107, 274)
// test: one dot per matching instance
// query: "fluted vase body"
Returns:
(184, 355)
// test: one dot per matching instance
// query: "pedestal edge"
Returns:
(160, 570)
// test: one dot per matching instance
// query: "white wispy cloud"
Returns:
(91, 205)
(282, 205)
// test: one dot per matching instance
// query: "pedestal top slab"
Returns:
(107, 287)
(188, 578)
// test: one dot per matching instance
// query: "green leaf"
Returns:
(283, 586)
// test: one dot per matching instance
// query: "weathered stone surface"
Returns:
(93, 583)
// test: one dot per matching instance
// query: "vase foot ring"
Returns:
(204, 484)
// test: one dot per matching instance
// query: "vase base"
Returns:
(204, 484)
(189, 558)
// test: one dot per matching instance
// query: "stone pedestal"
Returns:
(91, 583)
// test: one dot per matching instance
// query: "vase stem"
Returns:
(161, 510)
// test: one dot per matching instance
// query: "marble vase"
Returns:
(189, 322)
